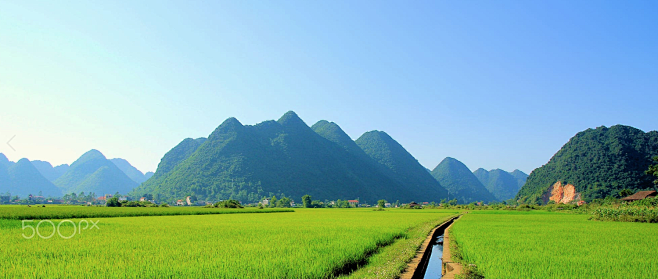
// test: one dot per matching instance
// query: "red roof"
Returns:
(352, 201)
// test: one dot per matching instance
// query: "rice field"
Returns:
(307, 243)
(538, 244)
(22, 212)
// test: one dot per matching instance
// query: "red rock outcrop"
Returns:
(560, 193)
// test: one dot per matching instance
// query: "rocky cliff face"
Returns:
(561, 193)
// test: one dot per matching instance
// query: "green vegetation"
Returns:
(176, 155)
(598, 162)
(645, 211)
(539, 244)
(653, 170)
(503, 185)
(461, 182)
(71, 212)
(228, 204)
(311, 243)
(285, 157)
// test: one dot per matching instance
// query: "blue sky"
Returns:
(495, 84)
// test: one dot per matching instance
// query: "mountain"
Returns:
(148, 175)
(92, 172)
(25, 179)
(5, 181)
(132, 172)
(503, 185)
(595, 163)
(520, 176)
(402, 166)
(284, 157)
(460, 182)
(3, 160)
(48, 171)
(176, 155)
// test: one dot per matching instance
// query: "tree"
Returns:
(113, 202)
(625, 193)
(148, 197)
(653, 170)
(283, 202)
(228, 204)
(381, 204)
(306, 200)
(273, 201)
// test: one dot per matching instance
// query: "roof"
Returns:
(640, 195)
(352, 201)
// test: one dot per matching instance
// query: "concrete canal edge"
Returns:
(416, 267)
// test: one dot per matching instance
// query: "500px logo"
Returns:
(58, 229)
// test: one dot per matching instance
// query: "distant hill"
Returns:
(25, 179)
(402, 166)
(94, 173)
(501, 184)
(460, 182)
(520, 176)
(132, 172)
(595, 163)
(148, 175)
(48, 171)
(247, 162)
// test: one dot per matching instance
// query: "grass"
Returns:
(539, 244)
(309, 243)
(71, 212)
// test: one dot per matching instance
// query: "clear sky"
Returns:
(495, 84)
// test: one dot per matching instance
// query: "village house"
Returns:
(414, 205)
(180, 202)
(265, 202)
(353, 203)
(142, 199)
(641, 195)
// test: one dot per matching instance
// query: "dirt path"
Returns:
(416, 267)
(450, 268)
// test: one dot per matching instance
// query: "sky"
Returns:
(494, 84)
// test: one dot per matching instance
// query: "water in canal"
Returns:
(434, 264)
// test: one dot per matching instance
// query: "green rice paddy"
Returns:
(307, 243)
(537, 244)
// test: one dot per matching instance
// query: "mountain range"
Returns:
(503, 185)
(91, 173)
(593, 164)
(461, 182)
(287, 157)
